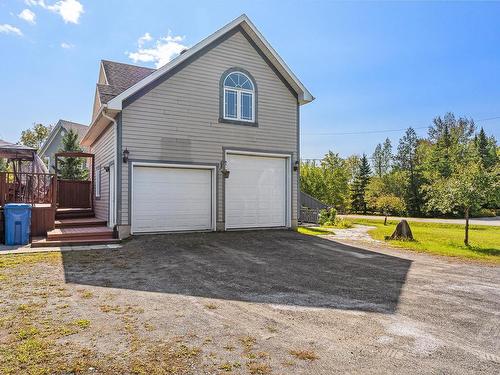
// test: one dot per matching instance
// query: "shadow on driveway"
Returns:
(277, 267)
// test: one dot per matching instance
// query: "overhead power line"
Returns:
(389, 130)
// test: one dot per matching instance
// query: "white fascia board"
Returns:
(84, 140)
(304, 95)
(50, 139)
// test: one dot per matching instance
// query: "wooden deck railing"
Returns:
(33, 188)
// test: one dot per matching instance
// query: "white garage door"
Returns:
(256, 191)
(171, 199)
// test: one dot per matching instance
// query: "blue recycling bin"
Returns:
(17, 223)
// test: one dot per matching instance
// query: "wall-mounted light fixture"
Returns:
(106, 168)
(223, 170)
(126, 152)
(296, 165)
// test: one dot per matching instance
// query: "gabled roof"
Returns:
(304, 96)
(80, 129)
(119, 77)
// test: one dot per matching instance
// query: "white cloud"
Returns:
(28, 16)
(9, 29)
(143, 39)
(67, 45)
(69, 10)
(162, 51)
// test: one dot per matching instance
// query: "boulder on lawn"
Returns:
(402, 232)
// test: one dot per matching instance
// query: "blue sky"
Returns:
(372, 66)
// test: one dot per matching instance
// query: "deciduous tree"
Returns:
(35, 136)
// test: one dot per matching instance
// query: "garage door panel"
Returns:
(255, 191)
(171, 199)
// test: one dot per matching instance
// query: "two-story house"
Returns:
(209, 141)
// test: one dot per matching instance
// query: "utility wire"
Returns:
(389, 130)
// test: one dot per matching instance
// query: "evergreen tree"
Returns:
(486, 148)
(407, 161)
(359, 185)
(381, 158)
(71, 168)
(387, 155)
(377, 161)
(450, 137)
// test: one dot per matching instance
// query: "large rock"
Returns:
(402, 232)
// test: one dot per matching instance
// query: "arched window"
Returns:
(239, 97)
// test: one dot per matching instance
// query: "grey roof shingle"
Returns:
(80, 129)
(107, 92)
(124, 75)
(120, 77)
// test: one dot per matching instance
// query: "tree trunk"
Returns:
(466, 240)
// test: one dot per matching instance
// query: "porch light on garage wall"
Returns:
(296, 165)
(126, 152)
(223, 170)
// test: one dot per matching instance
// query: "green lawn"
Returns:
(313, 231)
(443, 239)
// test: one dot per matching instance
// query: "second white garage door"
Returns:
(171, 199)
(256, 191)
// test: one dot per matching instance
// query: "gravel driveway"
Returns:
(278, 302)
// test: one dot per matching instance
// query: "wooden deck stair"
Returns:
(76, 226)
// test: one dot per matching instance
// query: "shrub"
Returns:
(342, 223)
(327, 217)
(484, 212)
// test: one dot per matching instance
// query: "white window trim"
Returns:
(239, 91)
(98, 182)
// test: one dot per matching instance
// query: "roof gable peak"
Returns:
(304, 96)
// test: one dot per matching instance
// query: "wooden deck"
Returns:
(76, 226)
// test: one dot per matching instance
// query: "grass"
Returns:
(443, 239)
(211, 306)
(82, 323)
(313, 231)
(304, 355)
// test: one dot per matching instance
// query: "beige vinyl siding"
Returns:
(104, 151)
(178, 119)
(96, 106)
(102, 75)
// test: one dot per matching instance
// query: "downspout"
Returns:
(115, 196)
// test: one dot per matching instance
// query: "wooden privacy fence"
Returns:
(33, 188)
(74, 194)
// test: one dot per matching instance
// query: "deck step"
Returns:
(77, 233)
(43, 242)
(80, 222)
(74, 213)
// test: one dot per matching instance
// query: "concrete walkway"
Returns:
(491, 221)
